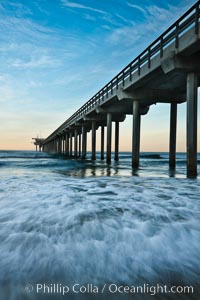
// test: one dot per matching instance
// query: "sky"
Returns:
(56, 54)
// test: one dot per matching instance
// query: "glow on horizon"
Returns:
(51, 64)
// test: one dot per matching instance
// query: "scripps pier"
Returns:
(38, 142)
(167, 71)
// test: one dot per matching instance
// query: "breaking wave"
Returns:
(58, 226)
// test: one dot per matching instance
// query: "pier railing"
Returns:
(189, 20)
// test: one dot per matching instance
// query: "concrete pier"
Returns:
(59, 145)
(79, 145)
(38, 142)
(172, 140)
(136, 135)
(109, 137)
(167, 71)
(93, 140)
(75, 143)
(192, 86)
(67, 144)
(70, 144)
(63, 144)
(116, 158)
(102, 142)
(84, 142)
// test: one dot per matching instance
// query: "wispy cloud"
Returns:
(122, 18)
(89, 17)
(142, 10)
(81, 6)
(107, 27)
(36, 62)
(154, 18)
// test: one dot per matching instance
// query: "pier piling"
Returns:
(172, 141)
(136, 135)
(192, 86)
(93, 140)
(84, 141)
(102, 142)
(109, 137)
(75, 143)
(116, 158)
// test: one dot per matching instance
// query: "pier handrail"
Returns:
(172, 34)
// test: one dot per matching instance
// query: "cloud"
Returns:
(137, 7)
(80, 6)
(156, 20)
(36, 62)
(106, 27)
(89, 17)
(18, 9)
(23, 29)
(122, 18)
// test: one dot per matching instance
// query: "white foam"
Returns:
(129, 230)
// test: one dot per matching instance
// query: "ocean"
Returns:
(73, 229)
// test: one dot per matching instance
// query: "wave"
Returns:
(152, 156)
(70, 231)
(27, 155)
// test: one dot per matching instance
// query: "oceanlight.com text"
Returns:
(112, 288)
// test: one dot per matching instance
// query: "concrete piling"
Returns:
(93, 140)
(75, 143)
(70, 144)
(116, 141)
(102, 142)
(136, 135)
(109, 137)
(192, 85)
(84, 142)
(67, 144)
(172, 140)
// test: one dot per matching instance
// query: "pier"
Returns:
(167, 71)
(38, 142)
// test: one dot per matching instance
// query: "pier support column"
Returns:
(102, 142)
(75, 143)
(63, 144)
(59, 145)
(93, 140)
(116, 141)
(136, 135)
(67, 144)
(70, 147)
(79, 145)
(172, 139)
(192, 124)
(54, 145)
(109, 137)
(84, 142)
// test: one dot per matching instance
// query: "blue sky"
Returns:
(55, 54)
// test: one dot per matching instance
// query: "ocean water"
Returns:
(66, 222)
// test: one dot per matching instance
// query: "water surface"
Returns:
(70, 221)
